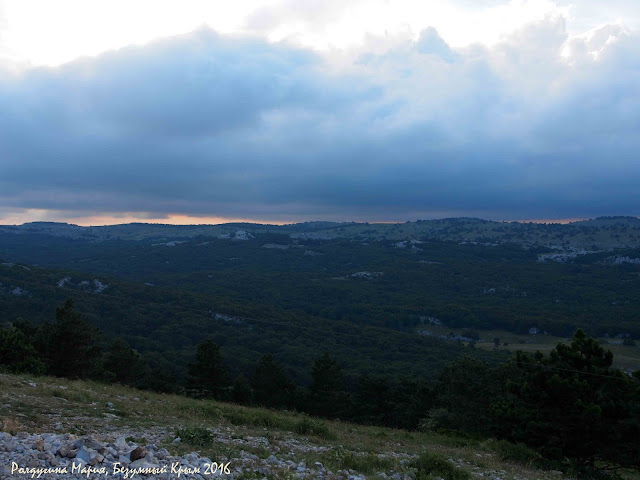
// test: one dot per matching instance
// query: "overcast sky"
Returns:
(280, 111)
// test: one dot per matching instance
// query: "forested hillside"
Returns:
(380, 282)
(349, 327)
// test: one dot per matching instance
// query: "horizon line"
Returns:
(562, 221)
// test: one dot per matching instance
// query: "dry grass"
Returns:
(11, 425)
(79, 407)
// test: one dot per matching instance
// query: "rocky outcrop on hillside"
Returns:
(51, 456)
(66, 456)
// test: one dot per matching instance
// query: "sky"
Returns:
(296, 110)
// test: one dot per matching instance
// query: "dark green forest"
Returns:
(363, 301)
(570, 408)
(475, 286)
(165, 325)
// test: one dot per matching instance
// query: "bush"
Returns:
(195, 436)
(513, 451)
(306, 426)
(434, 420)
(365, 464)
(258, 418)
(431, 466)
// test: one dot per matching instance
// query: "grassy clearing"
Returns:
(626, 357)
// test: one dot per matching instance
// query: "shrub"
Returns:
(513, 451)
(195, 436)
(366, 464)
(306, 426)
(431, 466)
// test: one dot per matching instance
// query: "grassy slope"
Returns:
(39, 405)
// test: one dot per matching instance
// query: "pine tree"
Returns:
(241, 391)
(326, 390)
(573, 404)
(17, 353)
(207, 376)
(464, 392)
(271, 385)
(124, 363)
(72, 343)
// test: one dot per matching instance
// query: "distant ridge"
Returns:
(621, 217)
(600, 233)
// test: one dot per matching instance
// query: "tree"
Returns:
(573, 404)
(207, 376)
(241, 391)
(410, 400)
(326, 389)
(72, 344)
(271, 385)
(464, 391)
(373, 401)
(160, 379)
(17, 353)
(124, 363)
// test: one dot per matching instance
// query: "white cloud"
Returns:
(205, 124)
(43, 32)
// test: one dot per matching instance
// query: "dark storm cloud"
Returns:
(211, 125)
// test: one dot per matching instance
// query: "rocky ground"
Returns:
(68, 456)
(59, 429)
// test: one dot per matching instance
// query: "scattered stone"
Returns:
(67, 451)
(137, 453)
(162, 454)
(95, 444)
(39, 444)
(83, 454)
(120, 443)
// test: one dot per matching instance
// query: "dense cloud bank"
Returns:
(540, 125)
